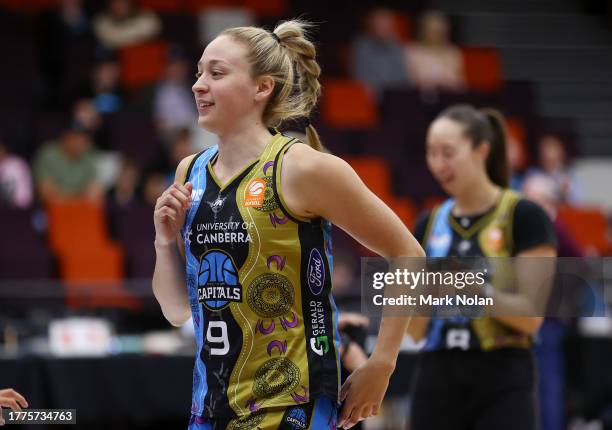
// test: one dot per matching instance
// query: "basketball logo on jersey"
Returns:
(218, 282)
(255, 193)
(495, 239)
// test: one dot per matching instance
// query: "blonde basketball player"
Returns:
(251, 219)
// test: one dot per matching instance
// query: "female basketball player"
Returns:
(477, 373)
(255, 214)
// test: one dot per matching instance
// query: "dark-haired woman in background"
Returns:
(477, 373)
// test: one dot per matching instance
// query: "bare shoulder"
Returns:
(183, 166)
(309, 178)
(301, 162)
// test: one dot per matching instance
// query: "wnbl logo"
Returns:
(196, 195)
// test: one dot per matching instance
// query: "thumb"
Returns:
(189, 186)
(345, 388)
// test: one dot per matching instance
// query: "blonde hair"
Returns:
(289, 58)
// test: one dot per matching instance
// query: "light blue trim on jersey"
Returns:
(438, 245)
(197, 177)
(325, 414)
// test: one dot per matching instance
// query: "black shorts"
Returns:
(474, 390)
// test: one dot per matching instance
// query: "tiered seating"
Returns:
(589, 227)
(90, 263)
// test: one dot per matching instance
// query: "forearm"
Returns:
(390, 336)
(525, 325)
(169, 284)
(516, 311)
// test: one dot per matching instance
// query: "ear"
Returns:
(483, 150)
(265, 86)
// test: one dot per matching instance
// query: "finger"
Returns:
(345, 415)
(168, 212)
(185, 201)
(189, 187)
(172, 202)
(10, 403)
(182, 189)
(356, 416)
(21, 400)
(375, 410)
(345, 388)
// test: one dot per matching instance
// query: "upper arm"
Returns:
(315, 184)
(181, 177)
(533, 231)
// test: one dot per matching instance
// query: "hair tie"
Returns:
(275, 36)
(306, 122)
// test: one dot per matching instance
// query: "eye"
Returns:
(216, 73)
(198, 74)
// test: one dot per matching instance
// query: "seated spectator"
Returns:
(174, 107)
(85, 115)
(434, 62)
(554, 163)
(378, 58)
(125, 190)
(67, 168)
(105, 86)
(124, 24)
(15, 179)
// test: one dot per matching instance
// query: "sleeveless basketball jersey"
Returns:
(490, 236)
(259, 283)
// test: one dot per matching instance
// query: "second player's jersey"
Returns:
(490, 236)
(259, 283)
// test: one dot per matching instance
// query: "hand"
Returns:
(363, 392)
(10, 398)
(170, 210)
(351, 319)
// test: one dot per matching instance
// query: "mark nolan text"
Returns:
(430, 300)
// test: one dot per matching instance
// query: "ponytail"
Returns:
(485, 125)
(289, 58)
(497, 161)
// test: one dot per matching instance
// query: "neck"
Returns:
(477, 198)
(241, 145)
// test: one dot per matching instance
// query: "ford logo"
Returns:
(315, 272)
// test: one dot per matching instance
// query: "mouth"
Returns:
(204, 105)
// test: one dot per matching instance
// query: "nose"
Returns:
(199, 86)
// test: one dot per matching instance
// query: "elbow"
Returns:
(176, 319)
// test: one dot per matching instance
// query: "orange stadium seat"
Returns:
(91, 264)
(348, 104)
(404, 27)
(405, 209)
(589, 227)
(482, 66)
(375, 173)
(143, 63)
(517, 138)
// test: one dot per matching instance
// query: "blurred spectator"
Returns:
(124, 24)
(154, 185)
(57, 29)
(554, 163)
(434, 62)
(125, 190)
(543, 190)
(67, 168)
(378, 59)
(85, 115)
(105, 87)
(15, 179)
(174, 105)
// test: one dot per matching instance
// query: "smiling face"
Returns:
(451, 157)
(226, 94)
